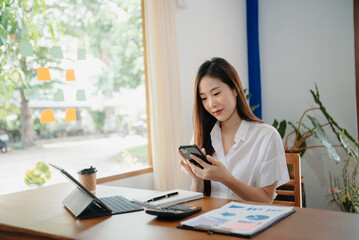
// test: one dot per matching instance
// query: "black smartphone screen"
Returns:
(193, 149)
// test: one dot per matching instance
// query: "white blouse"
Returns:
(257, 158)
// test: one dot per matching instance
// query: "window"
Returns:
(93, 110)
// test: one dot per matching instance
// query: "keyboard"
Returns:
(119, 204)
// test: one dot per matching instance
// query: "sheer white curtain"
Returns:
(166, 119)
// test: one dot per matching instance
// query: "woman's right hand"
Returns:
(186, 164)
(197, 182)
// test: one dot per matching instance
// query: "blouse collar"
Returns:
(242, 131)
(240, 135)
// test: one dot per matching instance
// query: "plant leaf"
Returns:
(275, 123)
(319, 133)
(348, 149)
(4, 18)
(331, 121)
(282, 128)
(52, 31)
(3, 36)
(254, 107)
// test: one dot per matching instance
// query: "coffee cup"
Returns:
(87, 178)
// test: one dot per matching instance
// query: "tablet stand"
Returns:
(81, 205)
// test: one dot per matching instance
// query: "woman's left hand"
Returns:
(216, 172)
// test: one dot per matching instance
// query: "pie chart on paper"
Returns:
(257, 217)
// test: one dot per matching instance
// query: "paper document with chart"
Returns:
(238, 219)
(180, 197)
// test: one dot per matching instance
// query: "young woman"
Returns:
(247, 154)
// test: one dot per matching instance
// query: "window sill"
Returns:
(140, 171)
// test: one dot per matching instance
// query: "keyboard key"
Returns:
(120, 204)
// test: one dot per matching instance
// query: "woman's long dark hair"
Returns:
(203, 121)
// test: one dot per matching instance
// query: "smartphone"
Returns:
(193, 149)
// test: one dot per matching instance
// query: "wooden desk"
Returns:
(39, 214)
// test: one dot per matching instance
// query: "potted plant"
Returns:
(345, 194)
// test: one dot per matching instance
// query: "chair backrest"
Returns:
(294, 186)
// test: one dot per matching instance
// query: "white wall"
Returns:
(303, 43)
(206, 29)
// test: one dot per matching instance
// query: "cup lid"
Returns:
(87, 171)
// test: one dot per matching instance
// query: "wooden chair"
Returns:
(294, 186)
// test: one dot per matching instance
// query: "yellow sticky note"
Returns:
(70, 75)
(47, 116)
(70, 115)
(43, 74)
